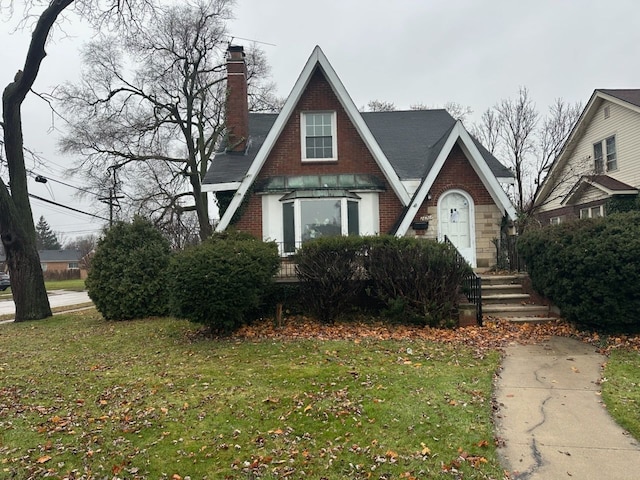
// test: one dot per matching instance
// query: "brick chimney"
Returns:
(237, 101)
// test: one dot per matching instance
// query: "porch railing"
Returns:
(471, 283)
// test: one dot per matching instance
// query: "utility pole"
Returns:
(112, 199)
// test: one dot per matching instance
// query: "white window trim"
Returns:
(303, 136)
(604, 159)
(554, 221)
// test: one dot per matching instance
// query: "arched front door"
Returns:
(456, 220)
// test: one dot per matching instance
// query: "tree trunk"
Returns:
(16, 222)
(16, 219)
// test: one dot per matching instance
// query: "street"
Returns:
(57, 298)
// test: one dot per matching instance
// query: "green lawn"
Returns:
(621, 389)
(152, 399)
(73, 285)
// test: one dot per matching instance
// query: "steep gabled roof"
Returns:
(628, 98)
(457, 135)
(411, 140)
(316, 60)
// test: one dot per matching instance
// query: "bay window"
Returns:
(307, 215)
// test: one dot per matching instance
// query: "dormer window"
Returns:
(607, 146)
(319, 136)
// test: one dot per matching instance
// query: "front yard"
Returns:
(83, 398)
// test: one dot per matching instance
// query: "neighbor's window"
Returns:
(73, 266)
(554, 220)
(598, 164)
(592, 212)
(612, 163)
(319, 136)
(307, 219)
(607, 146)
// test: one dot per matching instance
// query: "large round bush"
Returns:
(220, 281)
(127, 278)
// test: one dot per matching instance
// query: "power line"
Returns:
(67, 207)
(43, 179)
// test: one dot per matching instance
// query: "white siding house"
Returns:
(600, 160)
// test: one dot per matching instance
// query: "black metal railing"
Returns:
(287, 270)
(471, 284)
(507, 257)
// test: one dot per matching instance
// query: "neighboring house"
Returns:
(62, 264)
(599, 161)
(320, 167)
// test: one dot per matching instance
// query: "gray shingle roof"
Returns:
(233, 166)
(629, 95)
(59, 255)
(411, 140)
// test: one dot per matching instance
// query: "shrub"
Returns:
(590, 269)
(418, 279)
(330, 271)
(414, 279)
(128, 275)
(220, 281)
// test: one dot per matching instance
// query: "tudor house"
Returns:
(320, 167)
(599, 161)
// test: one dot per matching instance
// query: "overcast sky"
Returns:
(472, 52)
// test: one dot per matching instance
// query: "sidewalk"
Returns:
(552, 419)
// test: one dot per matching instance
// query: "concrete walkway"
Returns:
(552, 419)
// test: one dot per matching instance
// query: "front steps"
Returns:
(503, 297)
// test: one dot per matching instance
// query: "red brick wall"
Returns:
(237, 113)
(458, 173)
(353, 156)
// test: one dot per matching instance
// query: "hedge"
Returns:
(590, 269)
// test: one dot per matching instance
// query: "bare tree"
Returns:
(512, 128)
(85, 245)
(152, 107)
(487, 132)
(455, 109)
(380, 106)
(518, 120)
(556, 128)
(17, 230)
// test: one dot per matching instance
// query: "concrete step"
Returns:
(501, 289)
(515, 310)
(504, 298)
(531, 319)
(500, 279)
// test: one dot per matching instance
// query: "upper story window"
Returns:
(319, 136)
(605, 151)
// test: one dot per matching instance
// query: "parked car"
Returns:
(5, 281)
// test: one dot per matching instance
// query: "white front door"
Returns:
(456, 220)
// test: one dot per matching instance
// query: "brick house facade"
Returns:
(321, 166)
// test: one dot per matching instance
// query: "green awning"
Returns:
(349, 181)
(325, 193)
